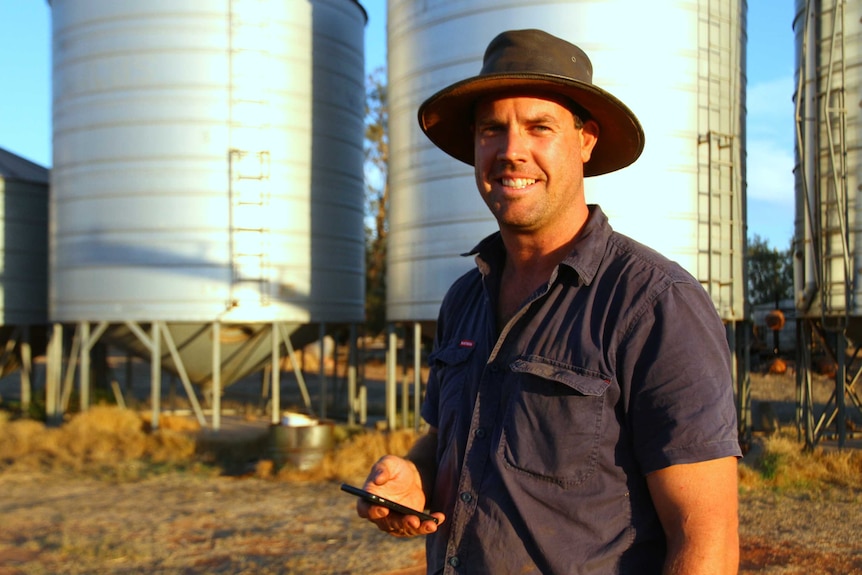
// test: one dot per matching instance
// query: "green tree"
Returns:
(770, 272)
(377, 198)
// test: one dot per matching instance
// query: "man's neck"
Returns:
(532, 254)
(530, 261)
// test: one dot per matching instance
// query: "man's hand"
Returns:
(398, 480)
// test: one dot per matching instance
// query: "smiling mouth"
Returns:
(517, 183)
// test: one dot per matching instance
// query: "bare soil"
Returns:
(188, 524)
(192, 524)
(201, 523)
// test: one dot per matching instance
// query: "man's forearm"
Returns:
(713, 558)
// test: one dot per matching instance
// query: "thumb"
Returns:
(382, 471)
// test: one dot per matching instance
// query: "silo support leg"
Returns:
(322, 369)
(834, 411)
(391, 383)
(69, 378)
(275, 375)
(53, 374)
(26, 371)
(153, 343)
(216, 367)
(851, 386)
(19, 337)
(804, 388)
(417, 374)
(187, 384)
(351, 376)
(297, 370)
(155, 373)
(405, 384)
(84, 372)
(840, 382)
(87, 340)
(10, 346)
(738, 342)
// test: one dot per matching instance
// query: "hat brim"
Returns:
(447, 116)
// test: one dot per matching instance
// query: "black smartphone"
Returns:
(383, 502)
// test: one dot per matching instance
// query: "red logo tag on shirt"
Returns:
(467, 343)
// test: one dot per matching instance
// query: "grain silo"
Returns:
(687, 88)
(828, 227)
(199, 178)
(24, 253)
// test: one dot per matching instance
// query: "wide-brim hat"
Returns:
(526, 61)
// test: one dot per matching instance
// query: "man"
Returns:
(580, 400)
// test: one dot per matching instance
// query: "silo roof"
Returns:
(13, 167)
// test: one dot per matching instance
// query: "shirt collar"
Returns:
(584, 259)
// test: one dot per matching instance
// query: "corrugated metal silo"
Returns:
(829, 159)
(685, 196)
(337, 160)
(197, 174)
(828, 227)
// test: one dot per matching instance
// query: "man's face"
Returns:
(529, 160)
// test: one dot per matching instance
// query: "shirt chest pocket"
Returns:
(553, 421)
(451, 368)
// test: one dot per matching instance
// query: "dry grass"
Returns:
(353, 457)
(783, 463)
(117, 443)
(105, 439)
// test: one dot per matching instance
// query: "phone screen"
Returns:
(383, 502)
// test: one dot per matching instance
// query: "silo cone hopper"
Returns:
(244, 348)
(188, 351)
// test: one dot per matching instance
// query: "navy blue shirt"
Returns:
(618, 367)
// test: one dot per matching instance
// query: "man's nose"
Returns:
(512, 145)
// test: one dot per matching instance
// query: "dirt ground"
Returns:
(193, 523)
(187, 524)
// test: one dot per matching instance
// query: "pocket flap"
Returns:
(453, 353)
(583, 381)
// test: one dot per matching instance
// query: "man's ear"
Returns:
(589, 137)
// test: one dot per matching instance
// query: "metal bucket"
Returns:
(300, 447)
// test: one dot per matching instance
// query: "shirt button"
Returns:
(454, 561)
(480, 433)
(495, 368)
(466, 497)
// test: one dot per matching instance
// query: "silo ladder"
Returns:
(249, 226)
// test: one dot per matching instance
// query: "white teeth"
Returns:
(518, 183)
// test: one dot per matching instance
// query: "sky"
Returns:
(25, 98)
